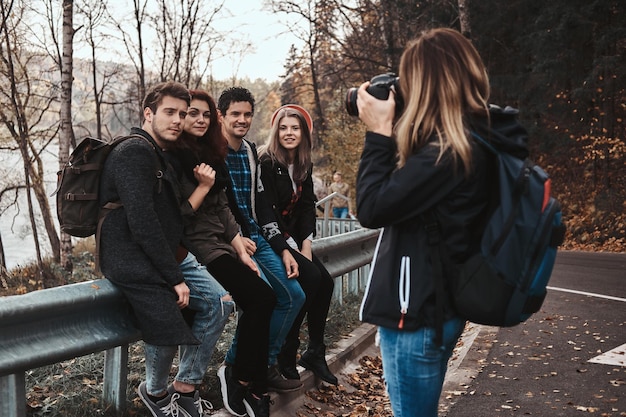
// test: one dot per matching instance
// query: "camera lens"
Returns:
(351, 106)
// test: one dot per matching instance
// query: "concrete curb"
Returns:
(467, 360)
(346, 350)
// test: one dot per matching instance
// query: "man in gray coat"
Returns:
(139, 240)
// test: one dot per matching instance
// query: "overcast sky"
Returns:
(270, 38)
(244, 21)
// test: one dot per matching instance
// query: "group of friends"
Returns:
(209, 225)
(246, 218)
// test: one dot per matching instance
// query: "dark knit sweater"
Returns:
(139, 240)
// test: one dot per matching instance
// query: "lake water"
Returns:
(17, 237)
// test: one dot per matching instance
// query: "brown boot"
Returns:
(278, 383)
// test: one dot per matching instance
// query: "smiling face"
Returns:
(289, 134)
(236, 122)
(166, 123)
(198, 118)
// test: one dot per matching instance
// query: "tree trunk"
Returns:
(66, 131)
(141, 70)
(3, 260)
(464, 18)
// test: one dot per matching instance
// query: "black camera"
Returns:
(379, 87)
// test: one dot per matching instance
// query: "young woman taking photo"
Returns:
(423, 162)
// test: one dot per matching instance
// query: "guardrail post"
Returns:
(13, 395)
(353, 282)
(115, 377)
(338, 290)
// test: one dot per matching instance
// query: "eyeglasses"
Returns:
(193, 113)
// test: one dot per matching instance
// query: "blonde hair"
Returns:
(273, 148)
(442, 81)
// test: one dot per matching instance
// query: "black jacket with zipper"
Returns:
(401, 290)
(297, 221)
(262, 209)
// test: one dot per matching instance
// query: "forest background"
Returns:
(562, 63)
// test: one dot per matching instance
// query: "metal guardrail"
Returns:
(52, 325)
(330, 226)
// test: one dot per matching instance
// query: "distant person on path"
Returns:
(261, 235)
(341, 206)
(212, 234)
(139, 242)
(286, 173)
(425, 160)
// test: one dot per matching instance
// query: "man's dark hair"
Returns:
(155, 95)
(233, 95)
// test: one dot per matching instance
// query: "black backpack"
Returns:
(78, 184)
(505, 282)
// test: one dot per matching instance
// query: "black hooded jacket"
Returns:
(401, 290)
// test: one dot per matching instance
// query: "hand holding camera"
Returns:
(379, 87)
(373, 104)
(376, 114)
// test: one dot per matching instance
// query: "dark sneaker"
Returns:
(278, 383)
(257, 407)
(167, 407)
(232, 391)
(195, 406)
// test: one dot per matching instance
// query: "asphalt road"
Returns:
(569, 359)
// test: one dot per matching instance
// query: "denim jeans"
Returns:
(211, 314)
(414, 367)
(340, 212)
(289, 294)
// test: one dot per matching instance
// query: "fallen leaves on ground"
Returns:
(364, 395)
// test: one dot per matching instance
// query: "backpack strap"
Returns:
(106, 209)
(114, 205)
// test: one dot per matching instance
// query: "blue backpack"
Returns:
(505, 282)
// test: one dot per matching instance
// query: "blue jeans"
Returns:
(211, 314)
(290, 299)
(414, 367)
(340, 212)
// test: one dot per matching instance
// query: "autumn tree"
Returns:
(316, 18)
(134, 44)
(186, 38)
(27, 114)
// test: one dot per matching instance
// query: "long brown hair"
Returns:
(273, 148)
(443, 80)
(211, 148)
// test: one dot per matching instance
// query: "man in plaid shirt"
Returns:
(259, 228)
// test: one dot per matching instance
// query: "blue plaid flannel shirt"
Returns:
(239, 169)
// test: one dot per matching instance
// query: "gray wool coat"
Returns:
(138, 241)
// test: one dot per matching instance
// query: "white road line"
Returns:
(614, 357)
(589, 294)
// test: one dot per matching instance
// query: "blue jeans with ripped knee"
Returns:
(211, 314)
